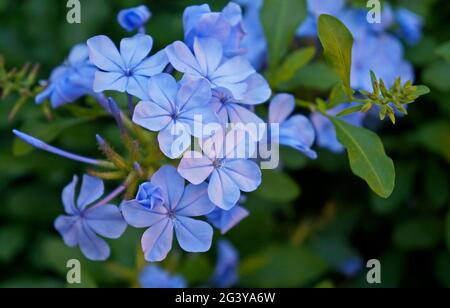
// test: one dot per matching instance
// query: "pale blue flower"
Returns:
(227, 220)
(226, 271)
(208, 62)
(180, 204)
(83, 222)
(226, 26)
(410, 25)
(127, 70)
(222, 161)
(296, 131)
(315, 9)
(134, 18)
(173, 109)
(71, 80)
(154, 277)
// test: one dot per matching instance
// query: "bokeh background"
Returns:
(312, 224)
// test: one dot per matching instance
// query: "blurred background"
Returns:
(312, 223)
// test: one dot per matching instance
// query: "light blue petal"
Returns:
(244, 173)
(208, 53)
(157, 241)
(193, 93)
(79, 55)
(193, 235)
(223, 191)
(104, 54)
(174, 140)
(298, 132)
(163, 90)
(106, 220)
(281, 108)
(330, 7)
(197, 118)
(140, 216)
(92, 189)
(227, 220)
(195, 167)
(92, 246)
(182, 59)
(192, 15)
(69, 228)
(134, 49)
(258, 90)
(170, 183)
(240, 114)
(151, 116)
(68, 197)
(154, 277)
(152, 65)
(134, 18)
(195, 201)
(226, 271)
(138, 87)
(110, 81)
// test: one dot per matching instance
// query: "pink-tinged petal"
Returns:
(245, 173)
(208, 53)
(193, 235)
(195, 201)
(68, 197)
(134, 49)
(106, 220)
(151, 116)
(110, 81)
(104, 54)
(139, 216)
(157, 241)
(281, 107)
(91, 190)
(69, 228)
(170, 183)
(152, 65)
(222, 190)
(195, 167)
(92, 246)
(182, 58)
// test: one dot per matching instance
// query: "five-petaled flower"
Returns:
(128, 70)
(83, 222)
(224, 161)
(180, 204)
(174, 109)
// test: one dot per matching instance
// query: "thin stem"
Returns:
(39, 144)
(111, 196)
(130, 104)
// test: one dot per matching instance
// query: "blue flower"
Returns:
(173, 109)
(351, 267)
(410, 25)
(127, 70)
(208, 62)
(315, 9)
(222, 161)
(149, 196)
(153, 276)
(227, 220)
(134, 18)
(231, 110)
(296, 131)
(180, 204)
(71, 80)
(226, 271)
(226, 27)
(325, 131)
(82, 223)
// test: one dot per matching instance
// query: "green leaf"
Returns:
(367, 156)
(418, 234)
(280, 20)
(350, 110)
(435, 137)
(320, 77)
(292, 64)
(422, 90)
(444, 51)
(282, 266)
(337, 42)
(278, 187)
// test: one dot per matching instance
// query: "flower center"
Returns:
(217, 164)
(171, 214)
(128, 72)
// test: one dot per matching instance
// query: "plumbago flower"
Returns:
(127, 70)
(226, 27)
(179, 204)
(410, 24)
(227, 220)
(134, 18)
(173, 109)
(84, 221)
(208, 62)
(71, 80)
(296, 131)
(153, 276)
(223, 161)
